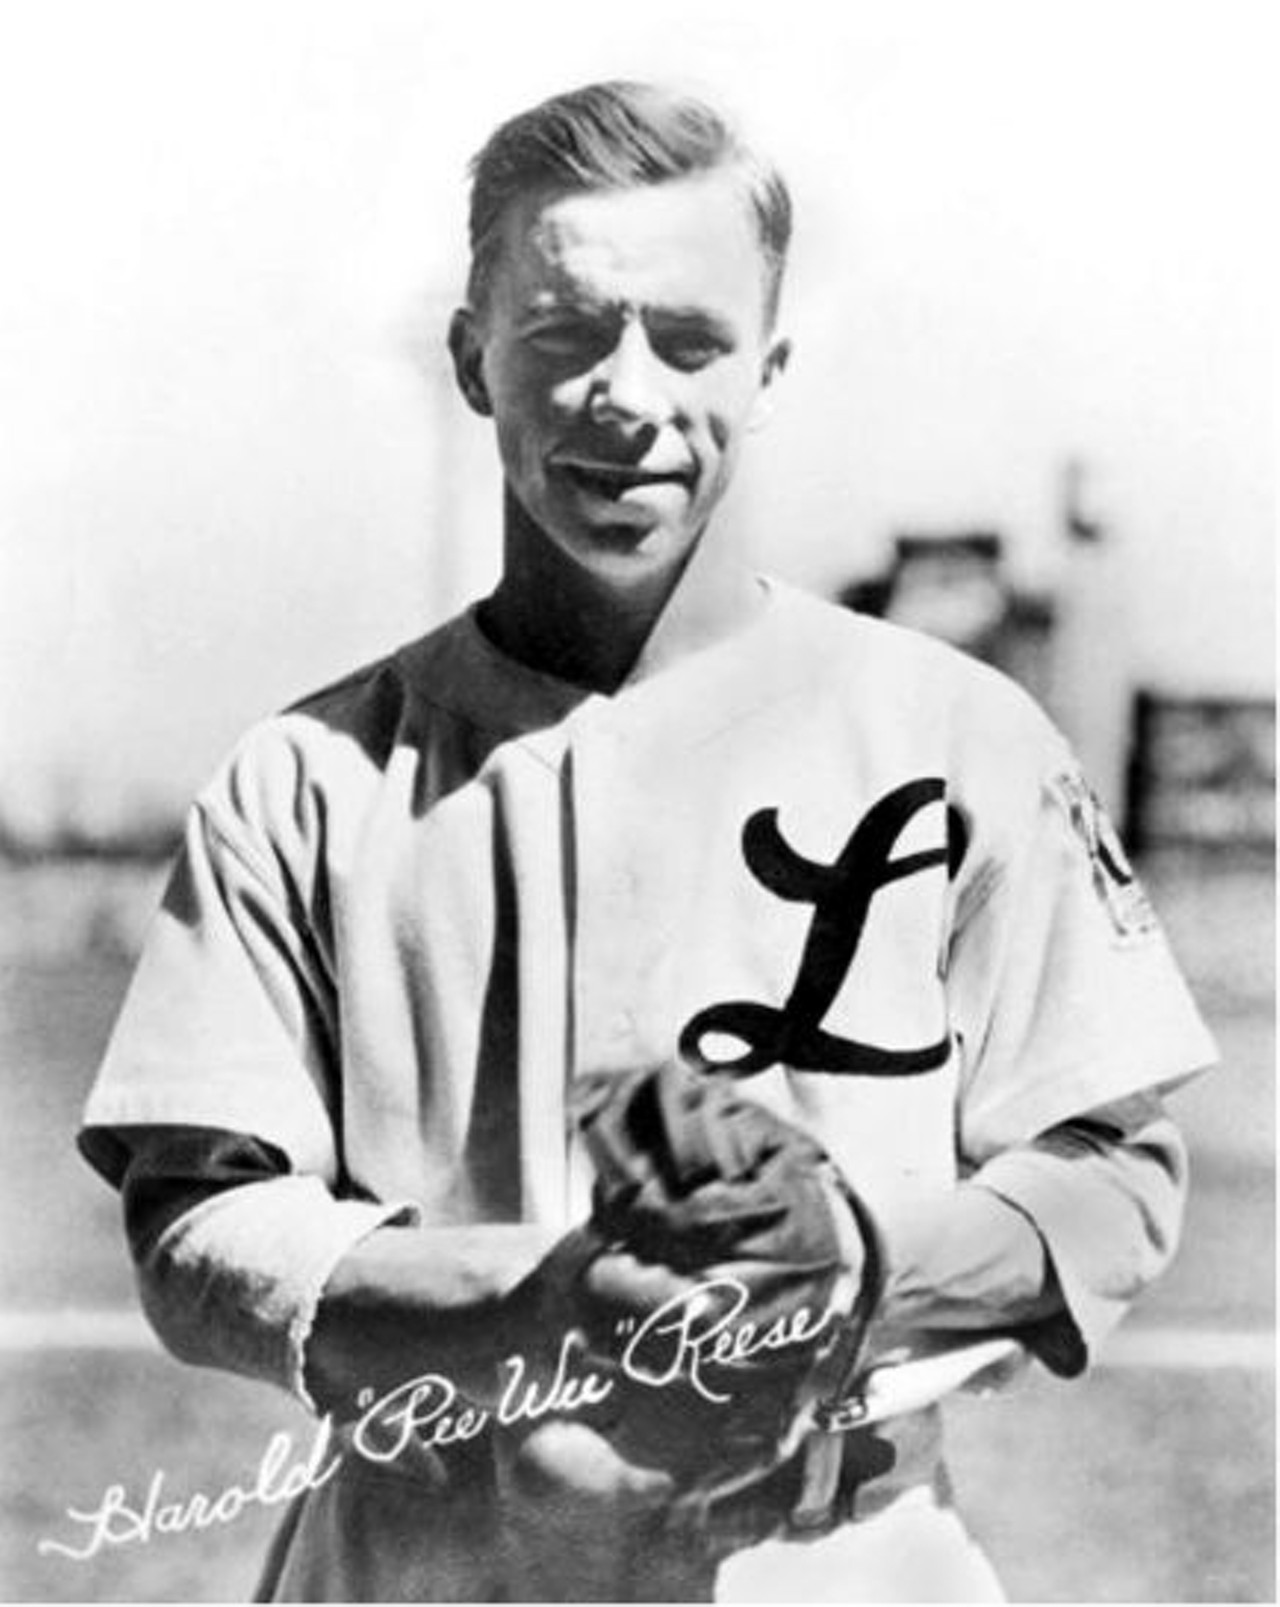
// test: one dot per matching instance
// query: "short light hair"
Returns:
(618, 135)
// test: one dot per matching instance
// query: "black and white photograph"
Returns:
(637, 801)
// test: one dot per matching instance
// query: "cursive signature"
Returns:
(113, 1522)
(696, 1330)
(691, 1333)
(430, 1410)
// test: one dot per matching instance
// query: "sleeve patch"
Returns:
(1113, 878)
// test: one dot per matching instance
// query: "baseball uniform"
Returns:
(835, 858)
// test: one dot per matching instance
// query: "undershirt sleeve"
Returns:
(232, 1250)
(1106, 1193)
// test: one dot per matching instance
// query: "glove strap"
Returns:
(842, 1408)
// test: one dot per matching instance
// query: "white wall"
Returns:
(230, 464)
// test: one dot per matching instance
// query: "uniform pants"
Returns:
(915, 1549)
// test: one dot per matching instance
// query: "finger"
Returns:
(607, 1110)
(563, 1460)
(632, 1287)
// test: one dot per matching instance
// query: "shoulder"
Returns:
(888, 672)
(908, 705)
(332, 748)
(370, 705)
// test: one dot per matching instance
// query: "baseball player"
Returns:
(610, 1052)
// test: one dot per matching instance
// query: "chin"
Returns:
(625, 553)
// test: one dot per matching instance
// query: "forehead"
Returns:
(688, 242)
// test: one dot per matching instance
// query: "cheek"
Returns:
(726, 426)
(721, 430)
(522, 392)
(726, 412)
(543, 412)
(545, 388)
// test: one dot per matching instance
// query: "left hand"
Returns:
(698, 1186)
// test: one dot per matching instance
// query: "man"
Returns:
(644, 889)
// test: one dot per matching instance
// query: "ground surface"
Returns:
(1150, 1481)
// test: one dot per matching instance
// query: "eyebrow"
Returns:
(550, 303)
(680, 317)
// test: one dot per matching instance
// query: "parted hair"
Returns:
(617, 135)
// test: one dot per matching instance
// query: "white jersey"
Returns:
(843, 862)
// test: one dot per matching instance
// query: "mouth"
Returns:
(603, 478)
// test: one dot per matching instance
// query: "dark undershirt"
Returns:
(173, 1168)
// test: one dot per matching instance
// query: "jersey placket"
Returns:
(606, 1033)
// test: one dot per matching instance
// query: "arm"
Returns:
(245, 1266)
(213, 1113)
(1069, 1014)
(1053, 1238)
(966, 1260)
(450, 1300)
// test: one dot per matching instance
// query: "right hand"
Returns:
(710, 1204)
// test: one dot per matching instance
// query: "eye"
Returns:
(569, 339)
(690, 349)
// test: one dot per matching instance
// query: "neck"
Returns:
(554, 616)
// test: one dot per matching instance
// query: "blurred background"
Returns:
(1030, 410)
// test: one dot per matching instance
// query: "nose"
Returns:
(630, 383)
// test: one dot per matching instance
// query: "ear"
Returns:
(467, 350)
(775, 361)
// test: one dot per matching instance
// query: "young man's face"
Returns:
(623, 352)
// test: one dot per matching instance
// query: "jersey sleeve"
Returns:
(230, 1026)
(1064, 995)
(231, 1019)
(1070, 1016)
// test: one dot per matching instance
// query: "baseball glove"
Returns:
(780, 1264)
(728, 1279)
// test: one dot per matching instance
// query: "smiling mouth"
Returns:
(616, 479)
